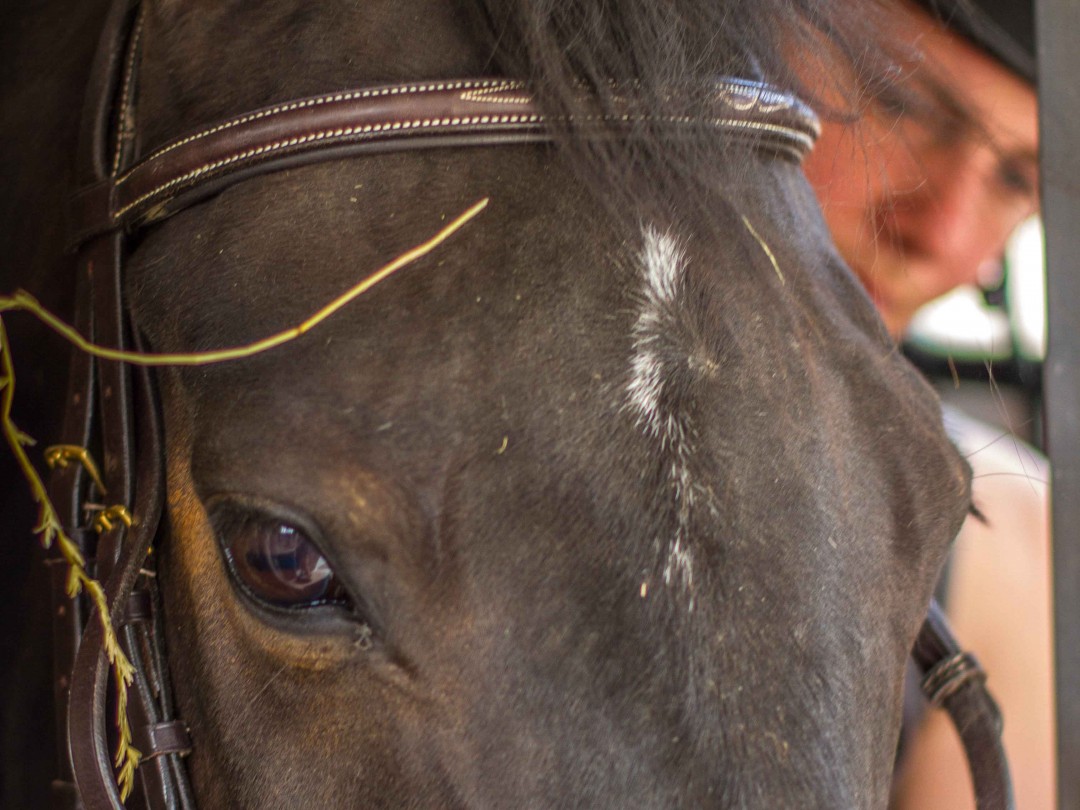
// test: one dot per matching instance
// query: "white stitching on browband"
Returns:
(341, 132)
(125, 92)
(487, 95)
(495, 85)
(800, 135)
(429, 123)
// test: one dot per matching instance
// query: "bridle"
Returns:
(115, 408)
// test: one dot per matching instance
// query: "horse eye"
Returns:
(276, 562)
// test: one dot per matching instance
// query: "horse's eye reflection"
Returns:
(276, 562)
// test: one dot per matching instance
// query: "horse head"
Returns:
(603, 503)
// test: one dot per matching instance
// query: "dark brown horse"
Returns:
(622, 498)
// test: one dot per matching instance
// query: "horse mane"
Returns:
(576, 54)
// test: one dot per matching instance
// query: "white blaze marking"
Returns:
(663, 264)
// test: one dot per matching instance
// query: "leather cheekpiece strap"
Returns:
(954, 681)
(140, 608)
(127, 419)
(162, 738)
(949, 676)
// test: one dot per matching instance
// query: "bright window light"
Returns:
(962, 325)
(1026, 289)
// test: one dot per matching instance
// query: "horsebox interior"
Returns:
(983, 346)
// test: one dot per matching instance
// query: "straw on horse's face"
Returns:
(590, 508)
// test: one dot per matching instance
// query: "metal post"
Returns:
(1057, 24)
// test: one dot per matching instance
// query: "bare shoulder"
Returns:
(999, 602)
(1000, 568)
(997, 453)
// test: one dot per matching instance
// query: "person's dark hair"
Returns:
(1003, 28)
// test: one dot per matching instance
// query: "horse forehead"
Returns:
(717, 387)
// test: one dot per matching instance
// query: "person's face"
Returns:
(918, 205)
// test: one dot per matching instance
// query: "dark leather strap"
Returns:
(949, 676)
(140, 608)
(121, 552)
(67, 485)
(95, 152)
(102, 257)
(157, 739)
(468, 112)
(162, 783)
(66, 489)
(161, 739)
(954, 681)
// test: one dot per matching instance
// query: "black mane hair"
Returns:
(573, 52)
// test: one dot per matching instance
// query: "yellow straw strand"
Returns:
(49, 531)
(22, 300)
(765, 247)
(60, 455)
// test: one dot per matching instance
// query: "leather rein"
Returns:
(115, 408)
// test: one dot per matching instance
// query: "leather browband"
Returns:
(393, 118)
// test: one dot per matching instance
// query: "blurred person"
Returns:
(921, 200)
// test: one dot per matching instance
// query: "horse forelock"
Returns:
(662, 59)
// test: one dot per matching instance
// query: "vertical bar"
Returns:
(1057, 23)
